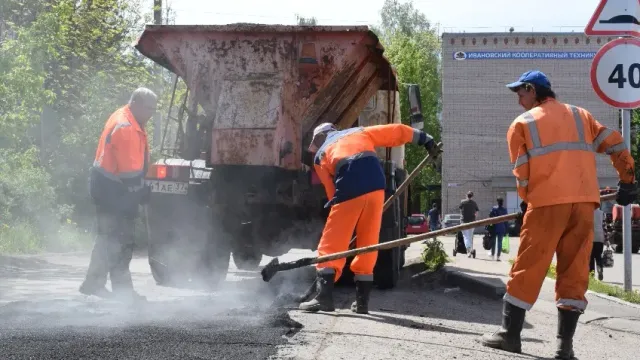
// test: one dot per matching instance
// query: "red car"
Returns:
(417, 224)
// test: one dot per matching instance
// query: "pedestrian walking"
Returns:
(552, 146)
(499, 229)
(434, 218)
(348, 167)
(469, 210)
(598, 243)
(116, 185)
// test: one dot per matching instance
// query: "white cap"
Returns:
(324, 128)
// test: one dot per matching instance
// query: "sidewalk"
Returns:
(489, 277)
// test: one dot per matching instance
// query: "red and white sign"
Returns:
(615, 73)
(615, 17)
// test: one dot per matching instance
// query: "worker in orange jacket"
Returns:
(553, 148)
(347, 165)
(116, 185)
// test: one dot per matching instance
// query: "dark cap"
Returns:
(534, 77)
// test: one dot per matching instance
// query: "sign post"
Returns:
(615, 77)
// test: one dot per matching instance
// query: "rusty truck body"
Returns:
(240, 183)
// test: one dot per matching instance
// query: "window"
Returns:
(416, 220)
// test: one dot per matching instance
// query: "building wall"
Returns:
(478, 108)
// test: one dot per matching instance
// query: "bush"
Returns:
(434, 255)
(19, 239)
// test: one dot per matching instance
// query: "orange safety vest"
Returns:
(347, 163)
(122, 156)
(553, 147)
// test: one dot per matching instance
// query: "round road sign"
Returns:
(615, 73)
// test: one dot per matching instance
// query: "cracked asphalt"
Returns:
(42, 316)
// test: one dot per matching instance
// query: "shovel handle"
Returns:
(431, 234)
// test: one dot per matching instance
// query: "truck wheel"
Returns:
(246, 259)
(215, 261)
(387, 270)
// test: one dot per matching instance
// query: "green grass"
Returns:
(23, 238)
(598, 286)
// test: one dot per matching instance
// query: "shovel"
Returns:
(274, 266)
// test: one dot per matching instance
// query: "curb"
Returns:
(614, 299)
(602, 296)
(411, 268)
(474, 284)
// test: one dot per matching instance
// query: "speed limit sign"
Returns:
(615, 73)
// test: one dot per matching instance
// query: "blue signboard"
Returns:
(523, 55)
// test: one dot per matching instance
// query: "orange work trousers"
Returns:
(567, 230)
(364, 214)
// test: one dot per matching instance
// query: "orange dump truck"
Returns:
(236, 181)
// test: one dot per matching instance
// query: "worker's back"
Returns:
(561, 154)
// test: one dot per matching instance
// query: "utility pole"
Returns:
(157, 12)
(157, 121)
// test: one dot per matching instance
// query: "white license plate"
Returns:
(416, 226)
(168, 187)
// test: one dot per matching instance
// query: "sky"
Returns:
(447, 15)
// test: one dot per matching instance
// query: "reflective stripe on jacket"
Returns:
(347, 163)
(553, 146)
(122, 156)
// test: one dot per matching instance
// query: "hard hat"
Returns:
(324, 128)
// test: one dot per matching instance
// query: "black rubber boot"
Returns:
(508, 337)
(361, 305)
(323, 300)
(311, 291)
(567, 322)
(600, 274)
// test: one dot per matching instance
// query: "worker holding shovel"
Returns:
(552, 146)
(347, 165)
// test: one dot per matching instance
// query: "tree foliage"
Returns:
(65, 66)
(413, 48)
(306, 21)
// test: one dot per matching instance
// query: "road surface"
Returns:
(43, 317)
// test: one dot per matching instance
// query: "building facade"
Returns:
(478, 108)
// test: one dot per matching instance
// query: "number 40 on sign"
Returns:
(615, 73)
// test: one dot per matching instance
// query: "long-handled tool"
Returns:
(274, 266)
(405, 184)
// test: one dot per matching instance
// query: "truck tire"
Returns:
(390, 262)
(215, 263)
(246, 258)
(387, 271)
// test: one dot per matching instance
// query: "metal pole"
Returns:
(626, 214)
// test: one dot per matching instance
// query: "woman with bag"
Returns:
(499, 230)
(598, 243)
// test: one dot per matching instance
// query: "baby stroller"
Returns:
(460, 246)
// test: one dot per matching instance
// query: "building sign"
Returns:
(523, 55)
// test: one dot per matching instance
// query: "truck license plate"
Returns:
(169, 187)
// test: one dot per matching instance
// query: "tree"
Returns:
(413, 48)
(66, 67)
(306, 21)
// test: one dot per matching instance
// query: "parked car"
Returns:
(417, 224)
(451, 220)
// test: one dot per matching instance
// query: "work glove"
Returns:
(627, 193)
(430, 145)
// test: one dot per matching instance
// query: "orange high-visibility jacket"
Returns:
(553, 148)
(121, 160)
(347, 163)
